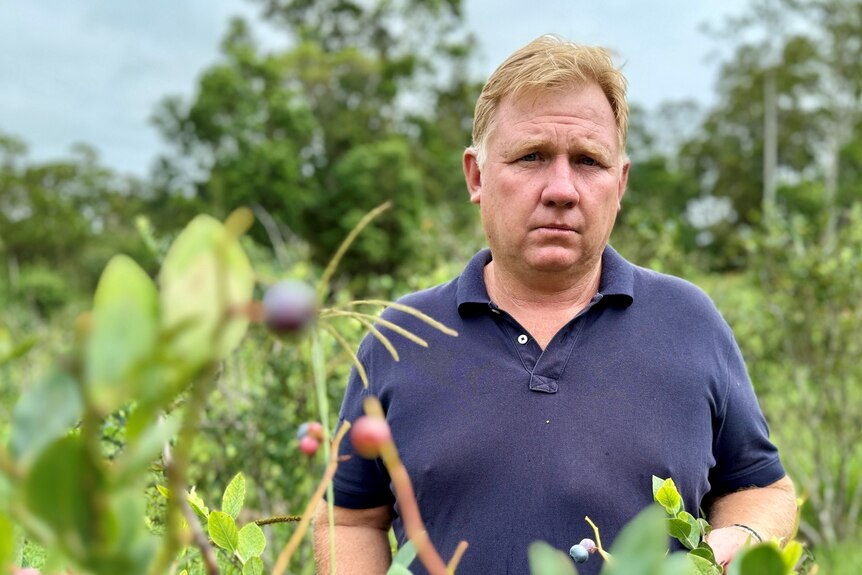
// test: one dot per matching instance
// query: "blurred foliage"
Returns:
(332, 117)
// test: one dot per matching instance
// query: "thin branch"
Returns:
(409, 310)
(384, 322)
(360, 369)
(278, 519)
(200, 539)
(456, 557)
(292, 544)
(342, 249)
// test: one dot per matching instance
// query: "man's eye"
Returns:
(587, 161)
(531, 157)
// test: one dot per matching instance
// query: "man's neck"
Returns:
(541, 305)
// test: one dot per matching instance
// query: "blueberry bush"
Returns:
(127, 397)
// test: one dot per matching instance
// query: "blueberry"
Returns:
(289, 306)
(579, 554)
(302, 431)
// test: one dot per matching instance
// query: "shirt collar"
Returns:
(617, 281)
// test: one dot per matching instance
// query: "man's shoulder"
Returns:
(669, 292)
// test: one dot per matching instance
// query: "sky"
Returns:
(93, 71)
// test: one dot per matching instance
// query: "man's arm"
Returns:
(770, 511)
(361, 540)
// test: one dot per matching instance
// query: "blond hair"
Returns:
(549, 62)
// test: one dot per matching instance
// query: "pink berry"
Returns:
(308, 445)
(315, 430)
(368, 435)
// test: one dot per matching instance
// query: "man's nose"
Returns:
(560, 189)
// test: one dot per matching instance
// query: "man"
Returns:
(575, 375)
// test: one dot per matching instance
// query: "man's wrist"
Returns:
(754, 534)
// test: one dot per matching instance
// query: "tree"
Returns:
(321, 125)
(60, 221)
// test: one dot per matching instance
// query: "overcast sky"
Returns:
(93, 70)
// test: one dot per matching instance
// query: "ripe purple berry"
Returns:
(289, 306)
(589, 545)
(579, 554)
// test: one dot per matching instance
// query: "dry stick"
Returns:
(456, 557)
(278, 519)
(323, 285)
(605, 555)
(296, 538)
(413, 524)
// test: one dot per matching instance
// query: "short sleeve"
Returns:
(744, 454)
(359, 483)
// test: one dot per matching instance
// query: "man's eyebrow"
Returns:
(583, 147)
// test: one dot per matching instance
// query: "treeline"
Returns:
(758, 197)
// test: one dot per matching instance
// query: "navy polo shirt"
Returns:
(507, 443)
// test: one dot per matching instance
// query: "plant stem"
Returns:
(318, 365)
(296, 538)
(278, 519)
(409, 507)
(176, 469)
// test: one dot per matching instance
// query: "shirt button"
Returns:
(522, 339)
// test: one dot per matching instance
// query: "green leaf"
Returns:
(641, 546)
(703, 566)
(406, 554)
(139, 454)
(45, 411)
(205, 277)
(253, 566)
(58, 489)
(197, 504)
(7, 540)
(657, 483)
(398, 569)
(763, 559)
(10, 351)
(680, 530)
(222, 530)
(125, 327)
(705, 551)
(668, 497)
(545, 560)
(685, 528)
(234, 496)
(252, 542)
(791, 554)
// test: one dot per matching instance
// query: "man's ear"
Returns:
(624, 178)
(473, 175)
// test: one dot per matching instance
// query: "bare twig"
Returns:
(201, 541)
(292, 544)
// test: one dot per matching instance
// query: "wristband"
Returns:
(749, 530)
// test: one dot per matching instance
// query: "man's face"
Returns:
(552, 182)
